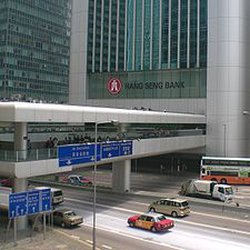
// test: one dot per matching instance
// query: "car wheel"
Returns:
(152, 209)
(213, 179)
(153, 229)
(223, 181)
(174, 214)
(131, 224)
(63, 224)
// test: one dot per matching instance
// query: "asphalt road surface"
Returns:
(208, 227)
(211, 225)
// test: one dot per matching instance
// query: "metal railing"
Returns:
(28, 155)
(51, 153)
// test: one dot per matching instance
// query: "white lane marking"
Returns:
(214, 227)
(108, 247)
(110, 217)
(138, 238)
(104, 206)
(75, 237)
(180, 221)
(134, 211)
(221, 217)
(151, 240)
(206, 214)
(190, 223)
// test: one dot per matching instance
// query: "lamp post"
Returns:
(114, 122)
(225, 133)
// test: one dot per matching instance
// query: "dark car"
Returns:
(66, 218)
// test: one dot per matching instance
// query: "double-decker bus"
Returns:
(225, 170)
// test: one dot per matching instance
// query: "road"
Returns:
(211, 225)
(207, 228)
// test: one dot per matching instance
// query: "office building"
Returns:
(176, 55)
(35, 49)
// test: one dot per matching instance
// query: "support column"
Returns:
(21, 185)
(122, 130)
(121, 176)
(20, 139)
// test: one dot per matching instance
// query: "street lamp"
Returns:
(114, 122)
(225, 134)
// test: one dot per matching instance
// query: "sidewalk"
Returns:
(54, 240)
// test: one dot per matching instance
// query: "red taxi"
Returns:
(5, 182)
(77, 179)
(151, 221)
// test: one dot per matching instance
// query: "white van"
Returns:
(56, 194)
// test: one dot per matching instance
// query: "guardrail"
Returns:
(28, 155)
(51, 153)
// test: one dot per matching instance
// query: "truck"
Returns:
(207, 189)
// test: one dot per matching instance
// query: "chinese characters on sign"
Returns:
(79, 153)
(30, 202)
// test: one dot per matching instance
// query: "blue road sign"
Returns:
(84, 153)
(17, 205)
(45, 200)
(77, 154)
(126, 148)
(110, 150)
(33, 202)
(30, 202)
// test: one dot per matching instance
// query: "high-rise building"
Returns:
(176, 55)
(35, 49)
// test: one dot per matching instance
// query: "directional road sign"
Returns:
(126, 148)
(76, 154)
(17, 204)
(45, 200)
(30, 202)
(110, 150)
(85, 153)
(33, 202)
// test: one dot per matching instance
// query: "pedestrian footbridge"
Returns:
(31, 135)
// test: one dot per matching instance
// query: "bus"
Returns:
(225, 170)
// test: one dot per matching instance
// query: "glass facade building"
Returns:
(35, 49)
(157, 48)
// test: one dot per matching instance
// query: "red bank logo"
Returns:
(114, 86)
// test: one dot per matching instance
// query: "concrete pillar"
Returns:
(122, 130)
(21, 185)
(20, 139)
(228, 74)
(121, 176)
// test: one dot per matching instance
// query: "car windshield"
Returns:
(228, 190)
(184, 204)
(69, 213)
(161, 218)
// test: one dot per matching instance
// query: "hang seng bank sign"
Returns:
(187, 84)
(154, 85)
(115, 85)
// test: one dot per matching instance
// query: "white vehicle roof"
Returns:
(51, 188)
(153, 214)
(74, 175)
